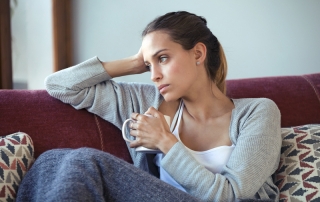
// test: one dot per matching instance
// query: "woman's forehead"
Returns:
(155, 38)
(156, 41)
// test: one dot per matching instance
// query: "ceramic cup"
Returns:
(140, 149)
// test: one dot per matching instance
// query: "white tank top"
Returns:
(212, 159)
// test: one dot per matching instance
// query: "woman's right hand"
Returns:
(127, 66)
(139, 62)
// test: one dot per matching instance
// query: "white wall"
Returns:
(40, 42)
(32, 46)
(260, 38)
(19, 44)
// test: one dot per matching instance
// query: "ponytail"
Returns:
(221, 73)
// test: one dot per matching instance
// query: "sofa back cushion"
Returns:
(298, 97)
(53, 124)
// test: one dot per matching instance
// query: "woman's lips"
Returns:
(163, 87)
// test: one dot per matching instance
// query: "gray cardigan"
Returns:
(254, 130)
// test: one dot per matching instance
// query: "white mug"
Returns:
(141, 149)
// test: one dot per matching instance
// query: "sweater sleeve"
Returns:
(247, 175)
(88, 86)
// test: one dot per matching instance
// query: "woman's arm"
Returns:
(248, 171)
(88, 85)
(126, 66)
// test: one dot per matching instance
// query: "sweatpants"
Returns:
(88, 174)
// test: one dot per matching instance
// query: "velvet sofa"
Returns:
(53, 124)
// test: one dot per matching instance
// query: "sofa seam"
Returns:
(100, 133)
(314, 88)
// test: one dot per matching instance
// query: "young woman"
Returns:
(219, 149)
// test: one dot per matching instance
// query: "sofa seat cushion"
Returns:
(17, 156)
(298, 175)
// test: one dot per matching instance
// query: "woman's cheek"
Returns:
(176, 70)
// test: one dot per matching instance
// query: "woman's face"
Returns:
(173, 69)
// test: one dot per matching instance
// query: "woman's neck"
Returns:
(207, 103)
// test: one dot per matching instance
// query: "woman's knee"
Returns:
(88, 159)
(83, 152)
(86, 153)
(57, 157)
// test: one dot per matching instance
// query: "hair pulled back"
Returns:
(188, 29)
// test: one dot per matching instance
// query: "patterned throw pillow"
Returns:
(298, 175)
(16, 152)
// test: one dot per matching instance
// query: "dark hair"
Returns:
(188, 29)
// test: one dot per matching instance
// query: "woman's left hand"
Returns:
(151, 131)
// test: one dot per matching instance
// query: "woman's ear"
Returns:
(200, 52)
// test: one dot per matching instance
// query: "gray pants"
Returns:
(91, 175)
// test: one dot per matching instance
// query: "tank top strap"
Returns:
(176, 120)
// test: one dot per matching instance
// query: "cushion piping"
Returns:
(100, 133)
(314, 88)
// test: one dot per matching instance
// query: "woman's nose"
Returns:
(156, 75)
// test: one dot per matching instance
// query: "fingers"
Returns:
(138, 130)
(139, 118)
(153, 112)
(145, 128)
(141, 140)
(138, 140)
(135, 116)
(134, 126)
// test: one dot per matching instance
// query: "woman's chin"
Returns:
(169, 98)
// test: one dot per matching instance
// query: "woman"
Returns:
(220, 149)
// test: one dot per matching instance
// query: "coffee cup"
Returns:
(141, 148)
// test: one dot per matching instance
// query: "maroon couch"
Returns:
(53, 124)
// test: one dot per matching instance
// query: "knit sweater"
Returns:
(254, 130)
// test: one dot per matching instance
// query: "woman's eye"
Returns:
(148, 67)
(163, 59)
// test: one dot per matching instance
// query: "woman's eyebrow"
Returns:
(159, 51)
(156, 53)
